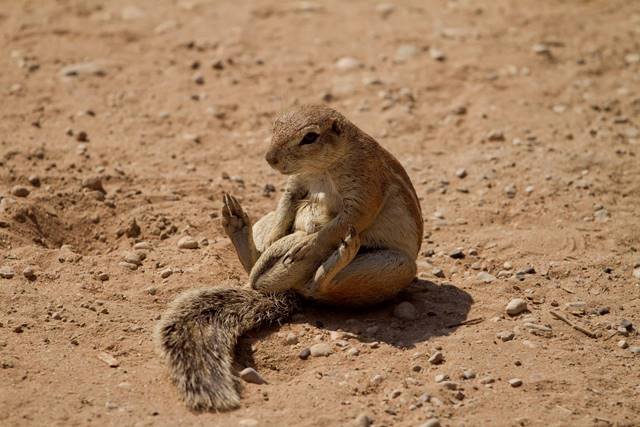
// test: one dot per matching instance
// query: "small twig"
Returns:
(584, 330)
(474, 321)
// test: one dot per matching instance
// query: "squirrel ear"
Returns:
(335, 127)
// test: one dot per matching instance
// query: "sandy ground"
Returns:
(167, 104)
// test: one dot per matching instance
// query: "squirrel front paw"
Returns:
(233, 218)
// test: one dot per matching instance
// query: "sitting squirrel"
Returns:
(346, 231)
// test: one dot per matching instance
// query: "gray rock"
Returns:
(291, 339)
(516, 306)
(635, 349)
(320, 350)
(623, 344)
(187, 242)
(304, 354)
(93, 183)
(377, 379)
(134, 258)
(252, 376)
(406, 311)
(485, 277)
(362, 420)
(20, 191)
(128, 265)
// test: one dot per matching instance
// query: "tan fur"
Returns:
(347, 231)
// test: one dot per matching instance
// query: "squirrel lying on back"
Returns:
(346, 231)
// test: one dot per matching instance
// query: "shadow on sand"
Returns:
(441, 309)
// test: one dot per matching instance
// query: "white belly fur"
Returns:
(320, 206)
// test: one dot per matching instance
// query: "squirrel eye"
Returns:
(309, 138)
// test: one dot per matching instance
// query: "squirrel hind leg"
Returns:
(370, 278)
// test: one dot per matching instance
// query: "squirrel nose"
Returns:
(271, 158)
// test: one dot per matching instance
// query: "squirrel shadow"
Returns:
(441, 308)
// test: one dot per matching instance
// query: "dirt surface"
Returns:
(165, 105)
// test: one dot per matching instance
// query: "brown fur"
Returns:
(197, 335)
(346, 231)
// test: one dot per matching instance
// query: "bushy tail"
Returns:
(198, 333)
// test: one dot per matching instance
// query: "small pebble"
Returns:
(29, 273)
(250, 375)
(436, 358)
(187, 242)
(487, 380)
(516, 306)
(34, 180)
(347, 64)
(457, 253)
(20, 191)
(510, 191)
(82, 136)
(133, 258)
(7, 272)
(468, 375)
(441, 377)
(438, 272)
(108, 359)
(291, 339)
(304, 354)
(623, 344)
(93, 183)
(506, 335)
(362, 420)
(431, 422)
(320, 350)
(461, 173)
(515, 382)
(166, 273)
(406, 311)
(103, 277)
(485, 277)
(437, 54)
(635, 349)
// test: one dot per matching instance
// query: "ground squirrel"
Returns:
(346, 231)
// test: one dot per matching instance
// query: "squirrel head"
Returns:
(307, 139)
